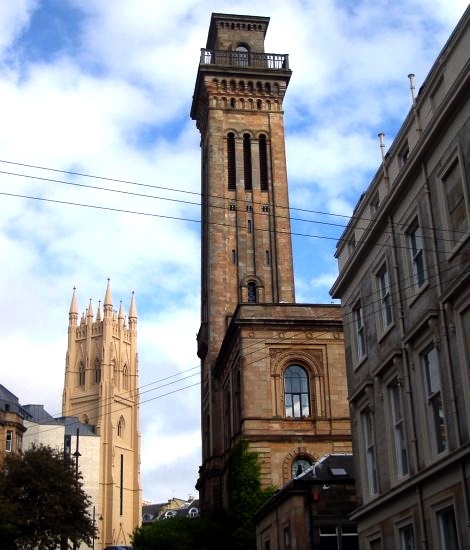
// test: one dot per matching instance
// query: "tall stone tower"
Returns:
(272, 371)
(101, 389)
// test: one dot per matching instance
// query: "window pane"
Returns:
(296, 405)
(455, 198)
(296, 396)
(448, 530)
(432, 370)
(435, 404)
(288, 401)
(407, 539)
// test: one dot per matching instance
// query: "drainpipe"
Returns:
(407, 365)
(419, 498)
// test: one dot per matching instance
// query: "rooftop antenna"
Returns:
(411, 77)
(381, 137)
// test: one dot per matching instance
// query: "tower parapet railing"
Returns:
(256, 60)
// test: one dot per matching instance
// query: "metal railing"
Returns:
(226, 58)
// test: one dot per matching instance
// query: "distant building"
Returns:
(101, 390)
(174, 507)
(312, 510)
(272, 371)
(404, 284)
(75, 439)
(12, 417)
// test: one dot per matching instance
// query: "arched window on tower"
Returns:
(81, 374)
(231, 172)
(252, 292)
(263, 163)
(97, 371)
(242, 54)
(121, 427)
(247, 162)
(115, 372)
(125, 377)
(296, 393)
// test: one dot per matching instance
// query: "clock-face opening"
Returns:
(300, 465)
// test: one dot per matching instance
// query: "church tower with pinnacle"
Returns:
(272, 371)
(101, 389)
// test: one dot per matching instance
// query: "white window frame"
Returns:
(370, 450)
(429, 358)
(359, 330)
(402, 533)
(445, 542)
(415, 241)
(454, 242)
(384, 296)
(9, 441)
(395, 394)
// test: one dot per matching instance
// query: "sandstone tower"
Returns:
(101, 389)
(272, 371)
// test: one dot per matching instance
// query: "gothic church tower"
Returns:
(101, 389)
(268, 365)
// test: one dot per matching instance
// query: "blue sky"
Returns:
(104, 88)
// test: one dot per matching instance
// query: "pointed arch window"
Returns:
(252, 292)
(231, 171)
(263, 163)
(97, 371)
(296, 392)
(121, 427)
(247, 162)
(81, 374)
(125, 377)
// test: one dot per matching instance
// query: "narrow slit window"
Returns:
(231, 172)
(250, 228)
(252, 293)
(263, 163)
(247, 162)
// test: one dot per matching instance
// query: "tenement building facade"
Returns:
(101, 390)
(404, 283)
(272, 370)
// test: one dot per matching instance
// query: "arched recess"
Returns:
(263, 162)
(97, 371)
(125, 377)
(231, 162)
(81, 374)
(248, 285)
(296, 454)
(311, 360)
(121, 427)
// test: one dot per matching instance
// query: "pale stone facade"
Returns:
(101, 389)
(253, 340)
(404, 283)
(60, 432)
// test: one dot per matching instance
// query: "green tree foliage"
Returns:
(233, 531)
(245, 495)
(42, 502)
(179, 534)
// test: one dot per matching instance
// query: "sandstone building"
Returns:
(272, 371)
(101, 390)
(12, 417)
(404, 283)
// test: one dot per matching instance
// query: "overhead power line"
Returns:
(183, 191)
